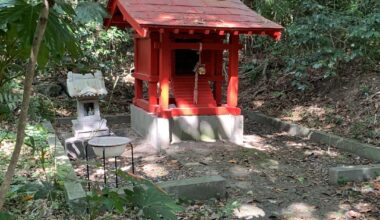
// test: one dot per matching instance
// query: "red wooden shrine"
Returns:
(172, 37)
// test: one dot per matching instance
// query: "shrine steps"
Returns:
(183, 91)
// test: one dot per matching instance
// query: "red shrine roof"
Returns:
(190, 15)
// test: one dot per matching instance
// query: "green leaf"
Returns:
(6, 216)
(43, 56)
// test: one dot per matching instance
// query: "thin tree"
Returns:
(29, 76)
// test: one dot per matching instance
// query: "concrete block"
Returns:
(74, 191)
(208, 128)
(344, 174)
(291, 129)
(349, 145)
(111, 119)
(161, 132)
(200, 188)
(75, 197)
(76, 149)
(155, 130)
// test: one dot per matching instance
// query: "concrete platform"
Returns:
(360, 173)
(161, 132)
(200, 188)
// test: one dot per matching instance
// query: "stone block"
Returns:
(74, 192)
(76, 149)
(161, 132)
(200, 188)
(343, 174)
(155, 130)
(349, 145)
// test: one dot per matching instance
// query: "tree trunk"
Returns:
(29, 76)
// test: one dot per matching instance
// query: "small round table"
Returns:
(109, 146)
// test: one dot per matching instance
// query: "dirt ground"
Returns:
(347, 105)
(273, 176)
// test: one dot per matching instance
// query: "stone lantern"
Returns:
(87, 90)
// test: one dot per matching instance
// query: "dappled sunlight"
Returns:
(239, 171)
(96, 173)
(258, 143)
(299, 211)
(298, 145)
(248, 211)
(298, 113)
(320, 152)
(270, 164)
(350, 211)
(6, 148)
(155, 170)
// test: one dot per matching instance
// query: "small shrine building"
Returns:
(179, 47)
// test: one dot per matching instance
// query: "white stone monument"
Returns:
(87, 89)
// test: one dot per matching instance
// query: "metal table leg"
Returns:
(87, 169)
(104, 166)
(133, 162)
(117, 183)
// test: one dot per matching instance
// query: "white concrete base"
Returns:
(161, 132)
(90, 128)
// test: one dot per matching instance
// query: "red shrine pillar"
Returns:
(218, 57)
(233, 69)
(138, 82)
(164, 71)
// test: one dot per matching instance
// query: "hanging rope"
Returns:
(196, 70)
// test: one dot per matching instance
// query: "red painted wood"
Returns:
(138, 90)
(152, 91)
(144, 104)
(154, 56)
(218, 74)
(233, 69)
(146, 77)
(218, 16)
(205, 46)
(200, 111)
(143, 48)
(183, 90)
(165, 71)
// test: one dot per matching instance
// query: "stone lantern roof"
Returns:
(86, 85)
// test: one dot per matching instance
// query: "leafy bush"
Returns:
(36, 139)
(103, 49)
(143, 194)
(322, 37)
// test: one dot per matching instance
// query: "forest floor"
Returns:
(347, 105)
(274, 176)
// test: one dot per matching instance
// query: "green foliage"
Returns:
(8, 103)
(228, 210)
(90, 12)
(41, 108)
(36, 189)
(36, 139)
(322, 37)
(152, 201)
(59, 35)
(7, 135)
(103, 49)
(6, 216)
